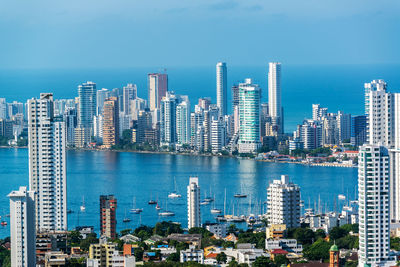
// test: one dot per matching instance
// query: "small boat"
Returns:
(135, 210)
(166, 213)
(240, 195)
(204, 203)
(83, 207)
(221, 218)
(215, 211)
(152, 202)
(126, 219)
(208, 199)
(158, 207)
(174, 194)
(69, 211)
(341, 197)
(3, 223)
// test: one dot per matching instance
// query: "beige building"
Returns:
(103, 253)
(110, 122)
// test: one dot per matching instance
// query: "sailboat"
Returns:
(166, 213)
(152, 201)
(174, 194)
(126, 219)
(222, 218)
(135, 210)
(83, 207)
(209, 199)
(240, 195)
(214, 210)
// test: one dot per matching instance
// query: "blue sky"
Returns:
(138, 33)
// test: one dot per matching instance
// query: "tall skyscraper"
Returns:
(47, 164)
(283, 200)
(358, 130)
(71, 122)
(86, 112)
(158, 87)
(108, 218)
(249, 117)
(183, 122)
(344, 126)
(274, 95)
(373, 198)
(129, 93)
(222, 94)
(22, 228)
(217, 134)
(168, 119)
(101, 96)
(3, 108)
(110, 122)
(193, 202)
(235, 96)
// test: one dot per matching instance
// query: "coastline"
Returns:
(324, 164)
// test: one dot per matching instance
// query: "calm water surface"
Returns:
(144, 176)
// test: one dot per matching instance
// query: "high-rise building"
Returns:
(71, 122)
(183, 122)
(193, 202)
(101, 96)
(310, 134)
(110, 122)
(344, 127)
(108, 219)
(379, 110)
(249, 117)
(358, 130)
(22, 227)
(217, 134)
(283, 201)
(318, 112)
(158, 87)
(274, 95)
(373, 197)
(98, 128)
(129, 94)
(204, 103)
(87, 109)
(47, 164)
(222, 94)
(168, 119)
(235, 96)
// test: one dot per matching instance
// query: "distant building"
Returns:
(183, 123)
(274, 95)
(222, 94)
(283, 201)
(249, 117)
(129, 94)
(108, 218)
(110, 122)
(22, 227)
(193, 202)
(47, 164)
(218, 137)
(101, 96)
(344, 127)
(219, 230)
(158, 87)
(358, 130)
(168, 119)
(87, 107)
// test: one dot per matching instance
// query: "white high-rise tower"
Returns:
(193, 202)
(274, 95)
(47, 164)
(22, 228)
(373, 198)
(284, 203)
(222, 88)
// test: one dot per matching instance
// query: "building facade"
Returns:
(47, 164)
(22, 228)
(193, 202)
(222, 94)
(283, 201)
(158, 87)
(274, 95)
(110, 122)
(108, 218)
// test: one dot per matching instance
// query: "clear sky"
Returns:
(138, 33)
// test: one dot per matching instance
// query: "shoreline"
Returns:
(323, 164)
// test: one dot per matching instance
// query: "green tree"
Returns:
(173, 257)
(281, 260)
(319, 250)
(261, 262)
(233, 263)
(337, 232)
(221, 257)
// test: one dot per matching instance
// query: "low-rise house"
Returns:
(130, 238)
(231, 237)
(85, 230)
(290, 245)
(165, 251)
(150, 256)
(192, 254)
(119, 260)
(219, 230)
(55, 258)
(102, 252)
(245, 253)
(275, 231)
(191, 239)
